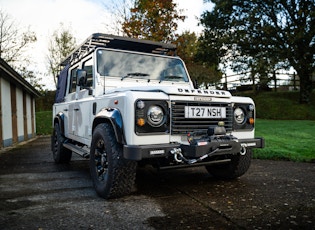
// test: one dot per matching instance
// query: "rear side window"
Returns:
(73, 80)
(88, 67)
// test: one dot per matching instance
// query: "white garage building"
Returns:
(17, 107)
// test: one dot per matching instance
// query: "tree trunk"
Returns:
(305, 86)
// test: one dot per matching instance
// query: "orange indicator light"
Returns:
(251, 121)
(140, 122)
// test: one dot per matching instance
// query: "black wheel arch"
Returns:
(60, 119)
(112, 116)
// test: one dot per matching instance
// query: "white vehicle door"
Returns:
(69, 102)
(82, 109)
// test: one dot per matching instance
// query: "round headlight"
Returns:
(155, 116)
(239, 116)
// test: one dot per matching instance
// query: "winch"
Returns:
(215, 142)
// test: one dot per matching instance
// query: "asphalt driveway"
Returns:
(36, 193)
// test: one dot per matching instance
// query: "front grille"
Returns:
(182, 125)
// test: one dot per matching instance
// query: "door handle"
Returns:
(76, 109)
(66, 110)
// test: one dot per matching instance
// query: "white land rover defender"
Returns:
(121, 101)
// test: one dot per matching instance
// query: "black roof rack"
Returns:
(117, 42)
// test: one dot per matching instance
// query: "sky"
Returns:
(82, 17)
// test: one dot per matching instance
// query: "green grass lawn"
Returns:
(286, 140)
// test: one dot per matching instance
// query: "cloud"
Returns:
(83, 17)
(192, 9)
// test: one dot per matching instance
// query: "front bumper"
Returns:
(137, 153)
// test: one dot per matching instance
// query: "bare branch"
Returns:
(61, 44)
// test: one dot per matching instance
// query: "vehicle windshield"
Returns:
(140, 66)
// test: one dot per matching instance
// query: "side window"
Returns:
(88, 67)
(73, 80)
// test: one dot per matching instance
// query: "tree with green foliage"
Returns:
(262, 35)
(61, 44)
(200, 71)
(153, 20)
(32, 77)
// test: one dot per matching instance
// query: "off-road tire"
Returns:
(112, 175)
(238, 166)
(60, 153)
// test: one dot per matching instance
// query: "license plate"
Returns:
(205, 112)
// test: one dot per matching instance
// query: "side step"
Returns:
(74, 148)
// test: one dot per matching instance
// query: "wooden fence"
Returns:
(276, 81)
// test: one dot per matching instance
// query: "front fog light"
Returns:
(155, 116)
(239, 116)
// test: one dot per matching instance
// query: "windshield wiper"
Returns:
(170, 78)
(135, 74)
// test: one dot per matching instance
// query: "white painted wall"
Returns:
(19, 108)
(7, 114)
(6, 110)
(29, 115)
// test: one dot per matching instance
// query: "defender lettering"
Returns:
(207, 92)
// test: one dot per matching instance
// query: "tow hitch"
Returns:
(213, 143)
(178, 156)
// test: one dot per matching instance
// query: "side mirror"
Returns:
(81, 77)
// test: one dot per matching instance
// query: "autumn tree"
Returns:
(258, 35)
(201, 71)
(157, 20)
(153, 20)
(61, 44)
